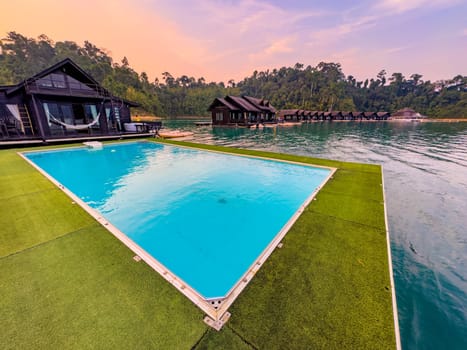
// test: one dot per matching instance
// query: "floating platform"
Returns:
(286, 124)
(172, 134)
(93, 144)
(203, 123)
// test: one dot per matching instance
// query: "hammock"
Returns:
(71, 126)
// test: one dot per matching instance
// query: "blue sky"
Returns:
(229, 39)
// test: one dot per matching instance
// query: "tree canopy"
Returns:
(320, 87)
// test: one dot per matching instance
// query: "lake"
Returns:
(425, 174)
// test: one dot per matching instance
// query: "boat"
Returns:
(203, 123)
(171, 134)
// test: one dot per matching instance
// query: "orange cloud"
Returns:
(150, 42)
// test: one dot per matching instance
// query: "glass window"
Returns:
(52, 113)
(45, 82)
(58, 80)
(90, 111)
(54, 80)
(77, 85)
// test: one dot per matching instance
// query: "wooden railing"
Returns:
(68, 89)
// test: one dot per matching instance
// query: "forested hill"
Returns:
(320, 87)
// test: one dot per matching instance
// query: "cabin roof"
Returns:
(289, 112)
(261, 104)
(66, 65)
(222, 101)
(244, 104)
(69, 67)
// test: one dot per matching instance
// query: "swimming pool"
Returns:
(205, 220)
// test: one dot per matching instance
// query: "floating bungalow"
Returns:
(298, 115)
(62, 101)
(407, 114)
(244, 110)
(289, 115)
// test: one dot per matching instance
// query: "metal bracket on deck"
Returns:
(217, 324)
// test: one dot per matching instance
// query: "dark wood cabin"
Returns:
(307, 115)
(327, 115)
(296, 115)
(267, 111)
(357, 115)
(318, 115)
(369, 115)
(346, 115)
(337, 115)
(289, 115)
(60, 102)
(244, 110)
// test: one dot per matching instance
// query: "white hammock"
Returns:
(71, 126)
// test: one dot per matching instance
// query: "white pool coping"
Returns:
(204, 304)
(391, 274)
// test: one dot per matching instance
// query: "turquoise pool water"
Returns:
(205, 216)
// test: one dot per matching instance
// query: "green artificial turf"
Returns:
(68, 283)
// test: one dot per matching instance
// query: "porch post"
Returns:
(38, 117)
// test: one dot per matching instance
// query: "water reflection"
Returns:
(425, 170)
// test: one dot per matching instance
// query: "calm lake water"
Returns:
(425, 173)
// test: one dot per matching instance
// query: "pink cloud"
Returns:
(399, 6)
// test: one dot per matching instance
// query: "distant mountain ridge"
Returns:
(320, 87)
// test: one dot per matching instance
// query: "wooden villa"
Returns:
(61, 102)
(244, 110)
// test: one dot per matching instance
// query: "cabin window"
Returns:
(58, 112)
(58, 81)
(111, 124)
(90, 113)
(117, 117)
(77, 85)
(53, 80)
(45, 82)
(219, 116)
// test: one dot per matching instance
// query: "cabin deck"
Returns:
(41, 142)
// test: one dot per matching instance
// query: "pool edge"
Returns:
(205, 304)
(391, 273)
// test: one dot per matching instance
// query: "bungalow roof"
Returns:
(288, 112)
(222, 101)
(261, 104)
(243, 103)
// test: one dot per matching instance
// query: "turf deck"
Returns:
(68, 283)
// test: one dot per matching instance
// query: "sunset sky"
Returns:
(229, 39)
